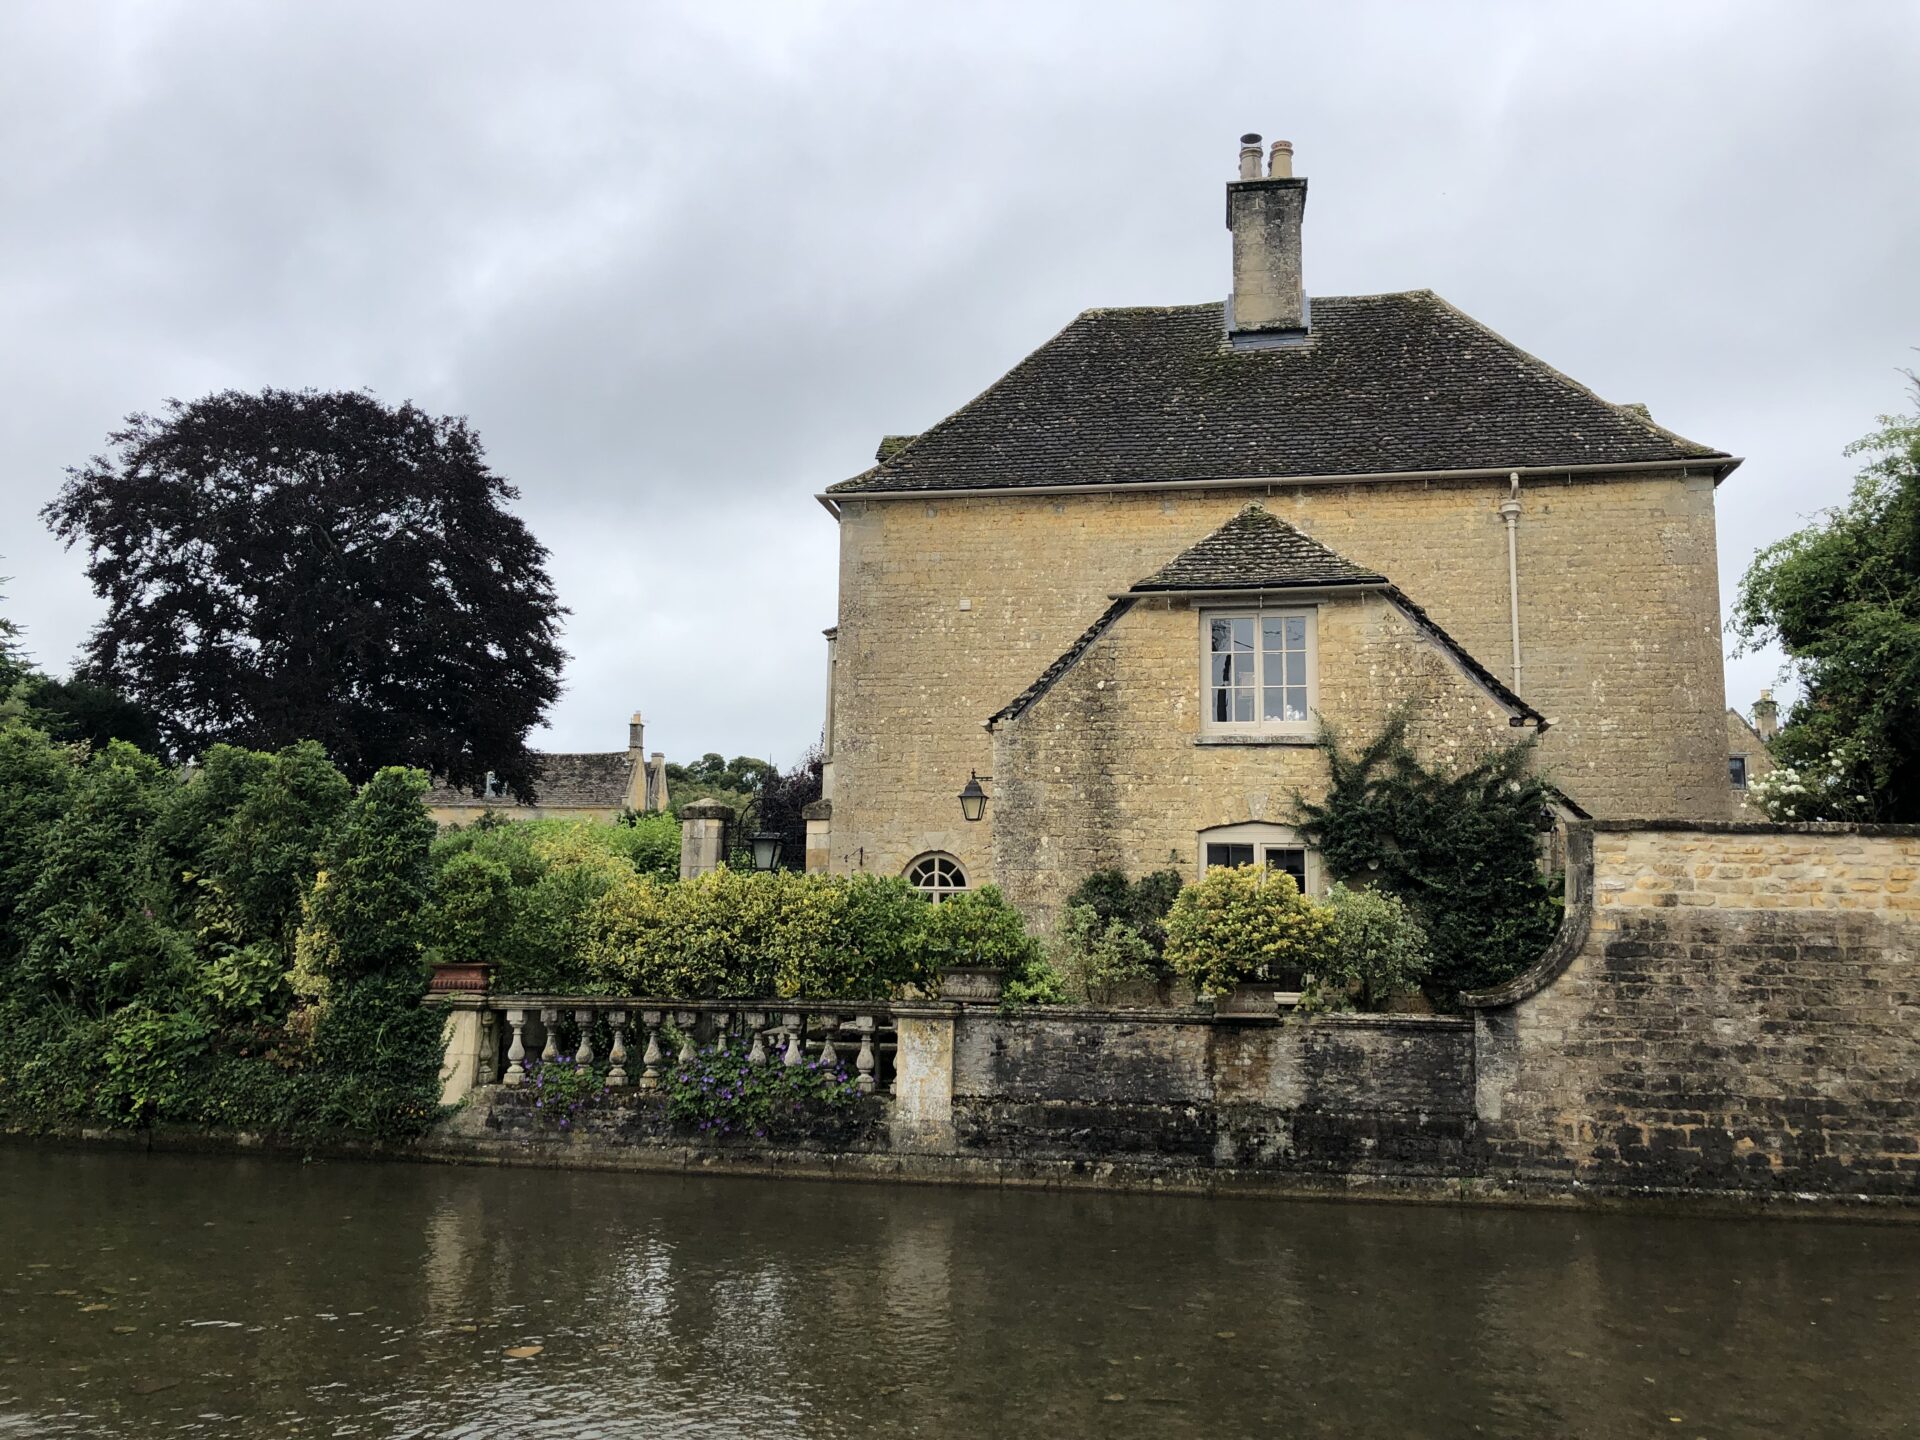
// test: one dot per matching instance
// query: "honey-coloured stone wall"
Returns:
(950, 608)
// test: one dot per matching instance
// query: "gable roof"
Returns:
(1256, 551)
(584, 781)
(1381, 384)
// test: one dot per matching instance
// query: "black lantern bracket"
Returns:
(973, 799)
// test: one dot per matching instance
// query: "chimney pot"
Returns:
(1249, 157)
(1280, 165)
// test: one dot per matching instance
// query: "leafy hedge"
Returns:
(241, 949)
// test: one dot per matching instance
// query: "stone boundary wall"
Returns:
(1742, 1012)
(1730, 1010)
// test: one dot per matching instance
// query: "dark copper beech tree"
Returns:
(295, 565)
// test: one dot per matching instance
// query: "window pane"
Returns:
(1222, 666)
(1296, 627)
(1290, 859)
(1296, 667)
(1242, 632)
(1271, 632)
(1219, 634)
(1229, 855)
(1243, 707)
(1273, 703)
(1737, 770)
(1296, 702)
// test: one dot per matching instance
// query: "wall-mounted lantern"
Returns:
(766, 850)
(973, 800)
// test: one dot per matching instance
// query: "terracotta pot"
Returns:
(459, 979)
(972, 984)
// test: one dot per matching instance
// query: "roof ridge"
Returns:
(1553, 372)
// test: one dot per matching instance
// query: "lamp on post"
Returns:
(766, 850)
(973, 800)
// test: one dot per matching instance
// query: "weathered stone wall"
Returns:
(1348, 1095)
(1744, 1013)
(1110, 769)
(949, 609)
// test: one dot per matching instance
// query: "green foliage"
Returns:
(561, 1089)
(1246, 922)
(1379, 950)
(1143, 904)
(731, 934)
(652, 844)
(721, 1092)
(362, 915)
(145, 965)
(1458, 846)
(1099, 959)
(82, 710)
(1842, 598)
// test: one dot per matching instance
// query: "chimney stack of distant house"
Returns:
(636, 736)
(1269, 301)
(1766, 717)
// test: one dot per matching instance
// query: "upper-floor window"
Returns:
(1737, 771)
(1259, 671)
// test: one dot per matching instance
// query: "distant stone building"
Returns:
(600, 786)
(1121, 586)
(1749, 752)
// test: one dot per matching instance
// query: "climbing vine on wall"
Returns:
(1459, 845)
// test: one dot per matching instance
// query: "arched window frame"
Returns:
(937, 875)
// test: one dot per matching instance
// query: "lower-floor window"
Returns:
(1274, 846)
(936, 876)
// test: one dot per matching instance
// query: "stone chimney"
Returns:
(1766, 717)
(636, 736)
(1264, 212)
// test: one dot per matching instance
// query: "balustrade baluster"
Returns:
(550, 1051)
(864, 1061)
(756, 1052)
(617, 1056)
(829, 1057)
(684, 1019)
(583, 1052)
(720, 1018)
(794, 1054)
(517, 1050)
(650, 1075)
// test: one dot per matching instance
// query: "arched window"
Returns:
(936, 876)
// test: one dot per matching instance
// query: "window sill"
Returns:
(1305, 740)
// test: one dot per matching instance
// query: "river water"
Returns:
(172, 1295)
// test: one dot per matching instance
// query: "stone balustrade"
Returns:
(639, 1040)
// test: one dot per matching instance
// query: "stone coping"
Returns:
(1753, 827)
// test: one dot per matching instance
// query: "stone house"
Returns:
(598, 786)
(1116, 592)
(1750, 752)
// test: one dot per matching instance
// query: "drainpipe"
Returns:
(1510, 512)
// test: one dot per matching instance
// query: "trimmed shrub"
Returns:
(1096, 959)
(1244, 923)
(1379, 950)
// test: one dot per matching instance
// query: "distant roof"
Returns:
(1256, 551)
(575, 781)
(1382, 383)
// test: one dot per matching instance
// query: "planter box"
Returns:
(459, 980)
(972, 984)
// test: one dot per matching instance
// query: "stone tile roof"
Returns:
(593, 781)
(1383, 383)
(1023, 702)
(1256, 551)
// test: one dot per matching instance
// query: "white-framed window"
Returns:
(1278, 847)
(1259, 671)
(936, 875)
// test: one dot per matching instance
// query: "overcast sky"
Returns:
(683, 265)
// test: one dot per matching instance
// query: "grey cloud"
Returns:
(682, 265)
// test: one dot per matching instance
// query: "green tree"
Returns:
(296, 565)
(362, 916)
(37, 778)
(1842, 598)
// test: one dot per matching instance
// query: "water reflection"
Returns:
(165, 1295)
